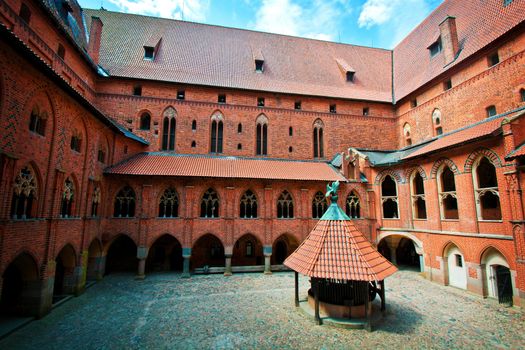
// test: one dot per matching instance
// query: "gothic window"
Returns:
(319, 205)
(417, 189)
(353, 208)
(125, 203)
(407, 134)
(76, 142)
(210, 204)
(486, 190)
(436, 122)
(68, 196)
(145, 121)
(318, 139)
(248, 208)
(262, 135)
(37, 121)
(448, 201)
(95, 202)
(24, 195)
(285, 206)
(217, 125)
(169, 126)
(169, 204)
(101, 156)
(389, 198)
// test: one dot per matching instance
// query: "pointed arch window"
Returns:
(448, 201)
(68, 196)
(169, 204)
(145, 121)
(262, 136)
(407, 134)
(24, 195)
(210, 204)
(318, 139)
(285, 206)
(217, 130)
(319, 205)
(248, 208)
(436, 122)
(37, 121)
(353, 207)
(95, 202)
(389, 198)
(76, 141)
(169, 127)
(486, 190)
(125, 203)
(417, 189)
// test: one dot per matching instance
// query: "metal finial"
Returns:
(331, 191)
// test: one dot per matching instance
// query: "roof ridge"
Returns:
(226, 157)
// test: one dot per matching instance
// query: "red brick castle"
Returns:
(145, 144)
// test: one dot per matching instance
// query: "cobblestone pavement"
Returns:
(254, 311)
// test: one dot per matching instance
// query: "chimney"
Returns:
(95, 32)
(449, 39)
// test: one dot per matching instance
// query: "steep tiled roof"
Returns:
(202, 54)
(516, 153)
(336, 249)
(169, 164)
(479, 22)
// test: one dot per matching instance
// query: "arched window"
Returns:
(145, 121)
(169, 204)
(76, 141)
(448, 201)
(417, 189)
(194, 125)
(169, 126)
(239, 128)
(37, 121)
(285, 206)
(262, 135)
(248, 208)
(24, 195)
(353, 208)
(436, 122)
(125, 203)
(407, 134)
(486, 190)
(389, 198)
(217, 125)
(318, 139)
(68, 196)
(319, 205)
(95, 201)
(210, 204)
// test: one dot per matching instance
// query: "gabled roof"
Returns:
(170, 164)
(336, 249)
(516, 153)
(479, 23)
(201, 54)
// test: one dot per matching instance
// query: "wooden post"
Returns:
(296, 289)
(383, 302)
(316, 293)
(367, 308)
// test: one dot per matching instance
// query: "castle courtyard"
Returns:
(255, 311)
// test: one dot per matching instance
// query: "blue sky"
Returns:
(377, 23)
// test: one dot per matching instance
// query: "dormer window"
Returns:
(259, 66)
(350, 76)
(435, 48)
(346, 69)
(149, 53)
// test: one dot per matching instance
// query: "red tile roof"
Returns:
(200, 54)
(516, 153)
(479, 22)
(336, 249)
(169, 164)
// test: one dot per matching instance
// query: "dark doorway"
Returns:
(165, 255)
(503, 281)
(406, 254)
(207, 251)
(247, 251)
(384, 250)
(65, 282)
(122, 256)
(282, 248)
(19, 278)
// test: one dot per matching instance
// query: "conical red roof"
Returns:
(337, 249)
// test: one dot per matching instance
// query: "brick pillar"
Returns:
(267, 251)
(142, 254)
(186, 255)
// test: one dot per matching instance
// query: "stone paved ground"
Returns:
(253, 311)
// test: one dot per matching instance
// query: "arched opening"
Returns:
(165, 255)
(145, 121)
(285, 206)
(389, 198)
(406, 254)
(207, 251)
(486, 189)
(247, 251)
(497, 279)
(401, 251)
(319, 205)
(122, 255)
(248, 205)
(210, 204)
(417, 188)
(65, 279)
(282, 248)
(19, 285)
(94, 261)
(455, 267)
(352, 207)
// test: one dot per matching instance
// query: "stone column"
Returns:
(228, 265)
(267, 251)
(142, 254)
(186, 255)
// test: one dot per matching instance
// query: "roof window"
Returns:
(346, 69)
(149, 53)
(447, 85)
(435, 48)
(259, 60)
(491, 111)
(137, 90)
(259, 66)
(493, 59)
(507, 2)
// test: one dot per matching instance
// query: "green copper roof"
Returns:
(334, 212)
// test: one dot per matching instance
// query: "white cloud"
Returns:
(193, 10)
(394, 18)
(317, 19)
